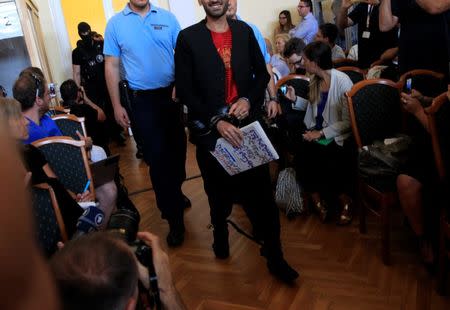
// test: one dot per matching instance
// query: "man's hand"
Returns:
(168, 293)
(121, 117)
(290, 94)
(312, 135)
(86, 196)
(411, 103)
(87, 140)
(273, 109)
(240, 109)
(231, 133)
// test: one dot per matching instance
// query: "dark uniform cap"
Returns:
(83, 27)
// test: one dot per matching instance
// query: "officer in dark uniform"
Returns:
(88, 64)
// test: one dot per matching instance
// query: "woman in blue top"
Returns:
(323, 163)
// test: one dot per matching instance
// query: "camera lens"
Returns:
(126, 223)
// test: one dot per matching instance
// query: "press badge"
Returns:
(366, 35)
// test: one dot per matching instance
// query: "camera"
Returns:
(52, 90)
(125, 222)
(283, 89)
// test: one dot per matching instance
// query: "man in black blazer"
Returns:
(220, 74)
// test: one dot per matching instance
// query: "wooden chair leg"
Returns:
(385, 231)
(362, 209)
(442, 268)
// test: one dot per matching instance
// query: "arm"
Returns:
(272, 107)
(412, 104)
(112, 76)
(342, 19)
(386, 19)
(101, 116)
(76, 74)
(434, 6)
(170, 298)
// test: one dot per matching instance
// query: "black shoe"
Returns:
(175, 237)
(281, 269)
(139, 154)
(187, 202)
(221, 246)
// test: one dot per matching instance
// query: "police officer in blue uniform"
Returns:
(142, 37)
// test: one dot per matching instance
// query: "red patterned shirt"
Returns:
(223, 44)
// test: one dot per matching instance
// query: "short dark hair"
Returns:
(96, 271)
(33, 70)
(69, 90)
(308, 4)
(293, 46)
(329, 31)
(27, 87)
(320, 53)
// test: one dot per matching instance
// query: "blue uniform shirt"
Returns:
(261, 42)
(46, 128)
(145, 45)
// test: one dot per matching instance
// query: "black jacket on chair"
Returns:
(200, 76)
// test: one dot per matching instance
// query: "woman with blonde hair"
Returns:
(324, 158)
(277, 60)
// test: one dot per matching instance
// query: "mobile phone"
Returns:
(283, 89)
(52, 90)
(408, 85)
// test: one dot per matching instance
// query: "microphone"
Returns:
(91, 220)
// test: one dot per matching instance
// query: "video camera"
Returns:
(125, 222)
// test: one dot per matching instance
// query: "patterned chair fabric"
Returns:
(67, 162)
(377, 112)
(355, 76)
(48, 232)
(428, 85)
(69, 127)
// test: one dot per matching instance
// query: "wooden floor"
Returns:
(339, 268)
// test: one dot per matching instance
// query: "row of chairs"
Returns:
(376, 113)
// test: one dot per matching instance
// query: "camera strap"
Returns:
(244, 233)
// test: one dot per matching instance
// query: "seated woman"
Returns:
(285, 23)
(418, 179)
(277, 60)
(323, 158)
(41, 172)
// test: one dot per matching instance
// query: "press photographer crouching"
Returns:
(101, 271)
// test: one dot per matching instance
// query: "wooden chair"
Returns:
(429, 83)
(439, 127)
(69, 124)
(58, 110)
(375, 113)
(344, 62)
(49, 222)
(354, 73)
(68, 159)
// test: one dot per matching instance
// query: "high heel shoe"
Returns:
(321, 208)
(346, 215)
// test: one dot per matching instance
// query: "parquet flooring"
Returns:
(339, 268)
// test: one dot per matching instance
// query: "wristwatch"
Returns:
(274, 98)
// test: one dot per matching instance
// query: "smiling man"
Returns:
(221, 76)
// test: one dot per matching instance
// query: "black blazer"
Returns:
(200, 72)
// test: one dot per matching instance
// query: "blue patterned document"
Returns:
(255, 150)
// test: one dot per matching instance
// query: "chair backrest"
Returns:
(375, 110)
(49, 224)
(298, 81)
(69, 124)
(58, 110)
(68, 159)
(354, 73)
(439, 126)
(429, 83)
(344, 62)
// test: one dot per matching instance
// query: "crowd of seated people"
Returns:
(324, 158)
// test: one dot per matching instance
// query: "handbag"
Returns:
(288, 193)
(382, 161)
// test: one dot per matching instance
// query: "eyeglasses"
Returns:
(282, 17)
(37, 82)
(303, 6)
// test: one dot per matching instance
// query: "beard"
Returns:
(218, 11)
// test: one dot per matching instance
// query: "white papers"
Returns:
(255, 150)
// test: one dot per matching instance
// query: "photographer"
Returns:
(100, 271)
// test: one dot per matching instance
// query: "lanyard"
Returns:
(369, 12)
